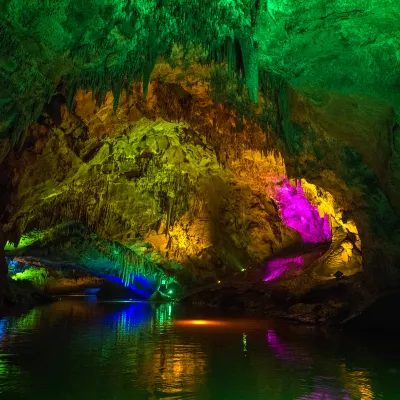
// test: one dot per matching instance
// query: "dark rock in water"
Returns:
(382, 315)
(158, 297)
(20, 296)
(91, 290)
(338, 275)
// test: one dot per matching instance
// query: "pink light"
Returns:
(298, 213)
(287, 353)
(274, 342)
(275, 268)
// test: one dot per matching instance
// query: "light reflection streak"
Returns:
(198, 322)
(323, 388)
(285, 352)
(358, 383)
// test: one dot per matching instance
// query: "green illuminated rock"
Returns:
(105, 45)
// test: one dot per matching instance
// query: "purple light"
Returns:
(288, 354)
(324, 387)
(298, 213)
(275, 268)
(275, 344)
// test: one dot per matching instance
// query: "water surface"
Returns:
(81, 349)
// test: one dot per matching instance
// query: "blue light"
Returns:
(140, 281)
(144, 282)
(132, 316)
(2, 327)
(119, 281)
(13, 263)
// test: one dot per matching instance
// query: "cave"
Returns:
(241, 155)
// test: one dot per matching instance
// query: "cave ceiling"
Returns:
(342, 45)
(350, 46)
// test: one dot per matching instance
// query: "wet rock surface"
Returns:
(298, 300)
(21, 296)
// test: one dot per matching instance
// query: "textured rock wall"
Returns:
(106, 45)
(339, 131)
(347, 46)
(202, 199)
(135, 164)
(3, 264)
(198, 198)
(344, 145)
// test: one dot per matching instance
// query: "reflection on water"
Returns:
(80, 349)
(358, 383)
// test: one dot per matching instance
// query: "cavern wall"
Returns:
(233, 82)
(3, 264)
(344, 143)
(197, 198)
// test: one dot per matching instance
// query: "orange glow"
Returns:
(239, 324)
(200, 322)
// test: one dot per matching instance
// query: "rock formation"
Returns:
(181, 140)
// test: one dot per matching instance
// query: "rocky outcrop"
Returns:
(344, 144)
(341, 46)
(298, 298)
(170, 153)
(107, 45)
(3, 264)
(195, 193)
(344, 46)
(185, 199)
(21, 296)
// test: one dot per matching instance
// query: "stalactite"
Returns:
(162, 25)
(170, 203)
(249, 51)
(275, 87)
(147, 70)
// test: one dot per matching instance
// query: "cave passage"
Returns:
(168, 166)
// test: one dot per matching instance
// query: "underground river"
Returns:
(79, 349)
